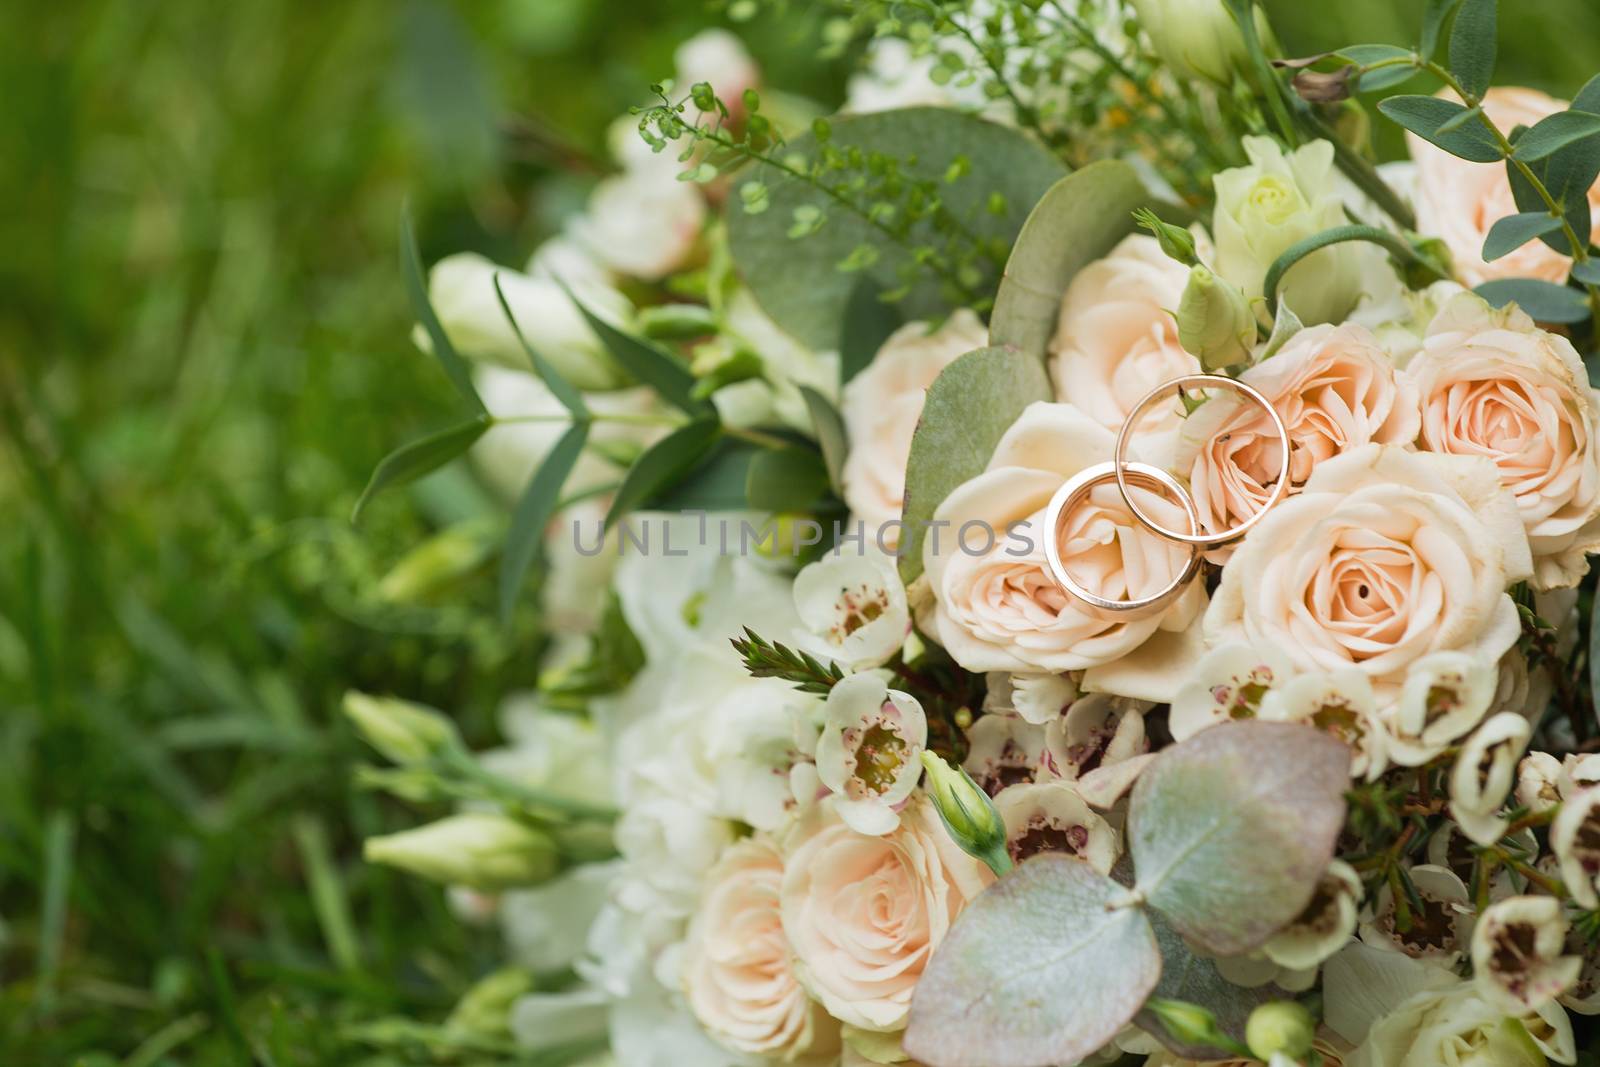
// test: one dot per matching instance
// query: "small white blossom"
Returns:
(1445, 695)
(1579, 772)
(1052, 817)
(1004, 750)
(1484, 773)
(1539, 782)
(1516, 954)
(870, 751)
(1325, 926)
(1439, 933)
(1041, 698)
(1575, 839)
(1229, 682)
(1339, 703)
(853, 608)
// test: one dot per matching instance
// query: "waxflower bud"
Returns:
(1214, 321)
(1283, 1026)
(968, 814)
(403, 732)
(475, 849)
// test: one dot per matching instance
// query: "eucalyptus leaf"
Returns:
(1231, 830)
(797, 280)
(1567, 176)
(533, 512)
(646, 361)
(1078, 221)
(1041, 968)
(455, 368)
(968, 408)
(1473, 45)
(1433, 17)
(1512, 232)
(1367, 54)
(662, 466)
(414, 459)
(868, 322)
(786, 479)
(1190, 977)
(1587, 272)
(1424, 115)
(831, 435)
(1543, 301)
(560, 388)
(1285, 324)
(1555, 132)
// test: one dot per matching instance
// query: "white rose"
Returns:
(1459, 1028)
(881, 407)
(1385, 557)
(1276, 201)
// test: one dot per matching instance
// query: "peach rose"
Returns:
(865, 914)
(1335, 389)
(996, 606)
(1493, 384)
(882, 404)
(736, 970)
(1386, 556)
(1459, 201)
(1116, 338)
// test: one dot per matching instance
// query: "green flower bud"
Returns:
(1175, 241)
(968, 814)
(485, 1010)
(1191, 1024)
(405, 733)
(439, 561)
(475, 849)
(1214, 321)
(1284, 1026)
(1198, 38)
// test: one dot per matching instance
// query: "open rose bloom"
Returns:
(972, 759)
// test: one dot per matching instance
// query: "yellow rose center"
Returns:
(1276, 200)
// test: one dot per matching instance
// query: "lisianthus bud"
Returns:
(967, 812)
(476, 849)
(450, 554)
(1175, 241)
(1214, 321)
(1283, 1026)
(404, 732)
(1189, 1023)
(1197, 38)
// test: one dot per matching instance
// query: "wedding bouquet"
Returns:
(1063, 561)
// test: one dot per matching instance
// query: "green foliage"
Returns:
(772, 659)
(420, 457)
(1429, 117)
(1542, 300)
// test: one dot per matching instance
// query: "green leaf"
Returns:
(533, 512)
(412, 460)
(1079, 219)
(868, 322)
(646, 362)
(831, 436)
(797, 281)
(1044, 966)
(1232, 830)
(1367, 54)
(968, 408)
(662, 466)
(1554, 132)
(417, 290)
(1473, 45)
(1432, 22)
(560, 388)
(1512, 232)
(1587, 272)
(1190, 977)
(1543, 301)
(1423, 115)
(1567, 175)
(716, 483)
(786, 479)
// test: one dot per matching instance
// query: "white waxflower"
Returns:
(1517, 963)
(1229, 682)
(1003, 750)
(870, 751)
(1325, 926)
(1100, 743)
(1439, 933)
(1579, 772)
(1484, 773)
(1445, 695)
(1575, 840)
(1041, 698)
(1339, 703)
(1539, 782)
(853, 609)
(1052, 817)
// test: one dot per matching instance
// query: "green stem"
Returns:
(1337, 235)
(1362, 173)
(622, 418)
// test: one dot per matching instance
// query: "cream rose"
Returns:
(1335, 389)
(1493, 384)
(996, 605)
(881, 406)
(864, 914)
(736, 970)
(1116, 338)
(1385, 557)
(1459, 201)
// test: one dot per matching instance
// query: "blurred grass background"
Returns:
(203, 351)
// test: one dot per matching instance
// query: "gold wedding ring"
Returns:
(1121, 466)
(1073, 492)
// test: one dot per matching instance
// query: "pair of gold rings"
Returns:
(1126, 472)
